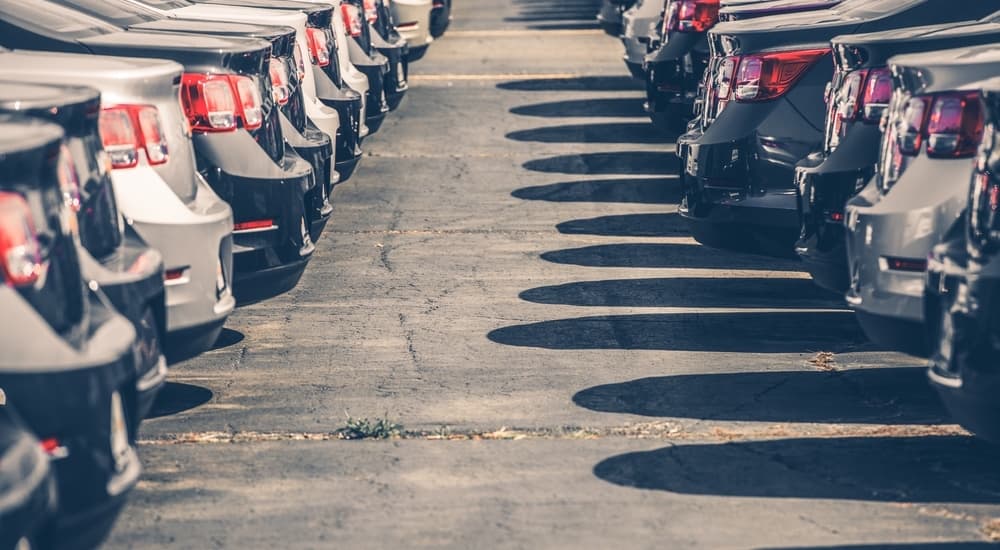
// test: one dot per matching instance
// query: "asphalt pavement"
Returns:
(506, 278)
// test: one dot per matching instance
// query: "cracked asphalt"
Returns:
(507, 278)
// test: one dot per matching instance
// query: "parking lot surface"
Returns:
(507, 279)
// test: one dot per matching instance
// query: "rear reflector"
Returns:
(904, 264)
(254, 225)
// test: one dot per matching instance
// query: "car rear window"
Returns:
(50, 19)
(120, 12)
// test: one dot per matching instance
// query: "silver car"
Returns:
(641, 25)
(168, 204)
(413, 21)
(933, 129)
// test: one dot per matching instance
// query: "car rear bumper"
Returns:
(194, 239)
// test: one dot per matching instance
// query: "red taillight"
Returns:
(128, 129)
(878, 92)
(371, 12)
(955, 125)
(69, 181)
(20, 255)
(215, 102)
(319, 46)
(768, 76)
(209, 102)
(251, 103)
(722, 87)
(910, 127)
(691, 15)
(279, 81)
(352, 19)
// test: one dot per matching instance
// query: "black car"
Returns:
(68, 360)
(391, 44)
(375, 45)
(299, 133)
(128, 271)
(238, 140)
(441, 17)
(331, 89)
(763, 112)
(27, 485)
(858, 95)
(961, 311)
(676, 63)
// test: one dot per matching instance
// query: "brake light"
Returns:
(910, 128)
(768, 76)
(215, 102)
(69, 181)
(279, 81)
(371, 12)
(128, 129)
(319, 46)
(691, 15)
(209, 102)
(352, 19)
(955, 125)
(20, 254)
(984, 204)
(878, 92)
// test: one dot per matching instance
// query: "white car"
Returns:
(167, 202)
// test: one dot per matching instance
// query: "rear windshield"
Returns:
(48, 19)
(120, 12)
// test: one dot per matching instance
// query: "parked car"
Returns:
(960, 304)
(27, 485)
(610, 16)
(640, 27)
(441, 17)
(67, 364)
(129, 272)
(305, 138)
(856, 100)
(239, 148)
(763, 112)
(674, 67)
(378, 36)
(933, 127)
(413, 20)
(168, 204)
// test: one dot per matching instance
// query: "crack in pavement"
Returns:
(665, 431)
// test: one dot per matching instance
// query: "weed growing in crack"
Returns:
(364, 428)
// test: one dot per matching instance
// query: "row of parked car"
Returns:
(161, 161)
(858, 135)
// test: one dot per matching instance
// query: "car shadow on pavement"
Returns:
(742, 332)
(953, 469)
(640, 163)
(622, 107)
(668, 224)
(610, 132)
(749, 292)
(228, 337)
(574, 84)
(883, 395)
(972, 545)
(556, 10)
(176, 397)
(624, 190)
(677, 255)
